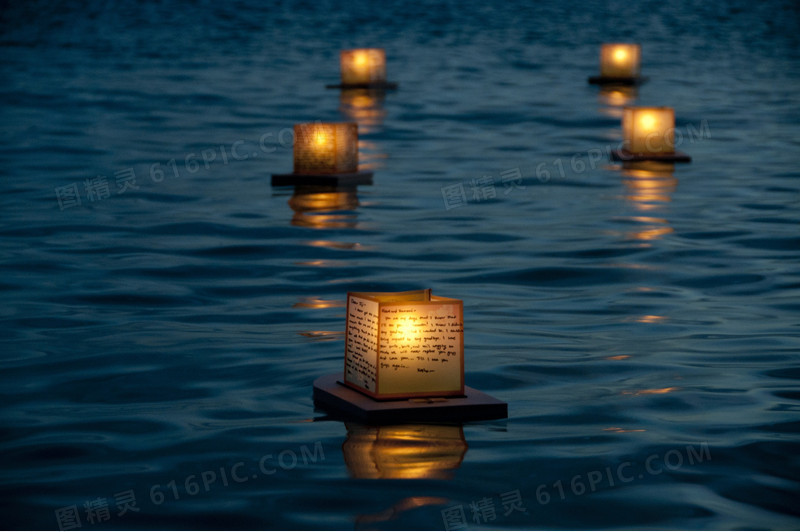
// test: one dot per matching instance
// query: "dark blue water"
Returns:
(164, 311)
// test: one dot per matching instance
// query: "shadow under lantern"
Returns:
(325, 154)
(620, 64)
(404, 362)
(648, 134)
(363, 68)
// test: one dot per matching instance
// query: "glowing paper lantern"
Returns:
(325, 154)
(404, 344)
(619, 60)
(648, 130)
(648, 134)
(363, 66)
(330, 148)
(620, 64)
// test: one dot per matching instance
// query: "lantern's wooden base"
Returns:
(627, 156)
(340, 400)
(607, 80)
(386, 86)
(354, 178)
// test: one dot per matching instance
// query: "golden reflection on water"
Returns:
(648, 186)
(651, 319)
(363, 106)
(404, 451)
(313, 302)
(652, 391)
(614, 98)
(317, 206)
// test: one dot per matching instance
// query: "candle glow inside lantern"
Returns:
(648, 133)
(404, 344)
(363, 68)
(620, 63)
(325, 154)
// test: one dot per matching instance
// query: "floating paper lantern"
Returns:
(620, 60)
(620, 64)
(648, 130)
(404, 363)
(330, 148)
(363, 68)
(648, 133)
(325, 154)
(404, 344)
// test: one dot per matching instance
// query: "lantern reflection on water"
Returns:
(404, 451)
(363, 106)
(318, 207)
(649, 185)
(614, 98)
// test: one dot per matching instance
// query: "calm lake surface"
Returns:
(165, 311)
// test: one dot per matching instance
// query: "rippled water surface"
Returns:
(165, 311)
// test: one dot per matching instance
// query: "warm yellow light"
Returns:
(647, 121)
(620, 60)
(363, 66)
(648, 130)
(360, 58)
(407, 331)
(326, 148)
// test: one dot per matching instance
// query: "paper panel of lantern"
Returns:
(404, 344)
